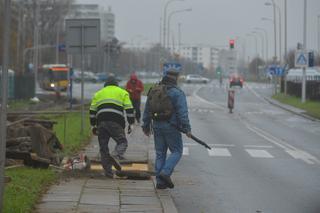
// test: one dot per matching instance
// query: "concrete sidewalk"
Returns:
(99, 194)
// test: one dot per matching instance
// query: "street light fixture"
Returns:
(165, 20)
(169, 20)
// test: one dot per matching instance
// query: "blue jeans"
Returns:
(166, 137)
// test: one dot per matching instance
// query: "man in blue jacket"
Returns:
(166, 134)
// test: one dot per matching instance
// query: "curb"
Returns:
(282, 106)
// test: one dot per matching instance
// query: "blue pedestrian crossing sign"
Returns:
(172, 66)
(275, 70)
(301, 59)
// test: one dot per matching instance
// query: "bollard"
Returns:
(231, 93)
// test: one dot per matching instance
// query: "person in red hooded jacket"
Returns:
(135, 88)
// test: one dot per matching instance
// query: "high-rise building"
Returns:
(228, 61)
(205, 56)
(108, 26)
(106, 17)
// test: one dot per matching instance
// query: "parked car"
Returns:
(192, 78)
(88, 77)
(236, 80)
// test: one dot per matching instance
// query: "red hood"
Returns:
(133, 77)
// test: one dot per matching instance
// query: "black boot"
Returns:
(167, 180)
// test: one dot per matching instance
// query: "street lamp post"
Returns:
(169, 21)
(318, 34)
(256, 43)
(165, 20)
(304, 83)
(266, 39)
(260, 34)
(276, 7)
(4, 96)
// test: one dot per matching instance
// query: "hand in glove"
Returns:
(94, 130)
(129, 129)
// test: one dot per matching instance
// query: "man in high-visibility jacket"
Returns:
(107, 119)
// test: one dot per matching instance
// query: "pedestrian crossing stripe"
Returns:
(253, 151)
(219, 152)
(185, 151)
(257, 153)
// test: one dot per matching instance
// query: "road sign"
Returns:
(301, 59)
(172, 66)
(83, 37)
(275, 70)
(62, 47)
(82, 33)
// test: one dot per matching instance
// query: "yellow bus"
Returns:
(53, 77)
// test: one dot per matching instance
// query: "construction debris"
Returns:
(34, 142)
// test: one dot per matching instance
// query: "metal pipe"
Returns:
(4, 91)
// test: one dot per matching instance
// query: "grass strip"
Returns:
(25, 188)
(69, 135)
(19, 104)
(311, 107)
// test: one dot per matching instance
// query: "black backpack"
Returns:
(160, 105)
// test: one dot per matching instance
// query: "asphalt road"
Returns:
(264, 159)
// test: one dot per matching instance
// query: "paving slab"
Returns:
(141, 208)
(139, 193)
(100, 199)
(97, 209)
(48, 207)
(102, 184)
(134, 200)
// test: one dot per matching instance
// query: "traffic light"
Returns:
(231, 43)
(311, 59)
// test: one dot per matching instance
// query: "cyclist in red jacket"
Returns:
(135, 88)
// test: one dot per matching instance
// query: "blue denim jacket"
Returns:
(178, 119)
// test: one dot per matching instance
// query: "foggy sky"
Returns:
(212, 22)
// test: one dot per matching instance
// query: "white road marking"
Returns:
(185, 151)
(306, 157)
(258, 147)
(191, 144)
(219, 152)
(291, 150)
(221, 145)
(205, 101)
(257, 153)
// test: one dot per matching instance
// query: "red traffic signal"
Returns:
(231, 43)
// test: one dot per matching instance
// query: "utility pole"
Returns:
(36, 44)
(4, 84)
(179, 42)
(303, 98)
(285, 43)
(319, 35)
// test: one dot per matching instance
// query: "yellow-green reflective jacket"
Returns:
(109, 104)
